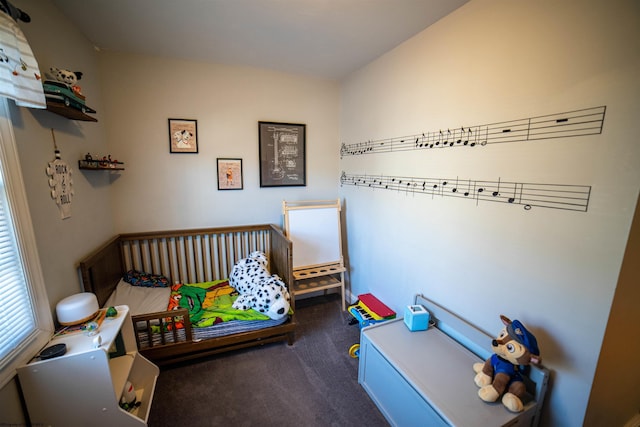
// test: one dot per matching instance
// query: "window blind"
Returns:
(26, 323)
(17, 320)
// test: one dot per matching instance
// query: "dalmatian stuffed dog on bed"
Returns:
(258, 289)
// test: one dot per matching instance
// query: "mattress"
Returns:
(141, 300)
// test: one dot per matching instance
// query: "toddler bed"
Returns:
(202, 258)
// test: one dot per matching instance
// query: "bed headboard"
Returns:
(187, 256)
(102, 269)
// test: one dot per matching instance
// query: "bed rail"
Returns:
(156, 329)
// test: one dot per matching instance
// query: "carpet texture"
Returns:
(314, 382)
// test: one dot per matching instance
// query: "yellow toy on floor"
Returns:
(367, 311)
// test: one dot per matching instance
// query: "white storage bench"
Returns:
(425, 378)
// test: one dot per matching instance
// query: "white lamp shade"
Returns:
(77, 308)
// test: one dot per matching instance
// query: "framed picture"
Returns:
(183, 136)
(229, 174)
(282, 154)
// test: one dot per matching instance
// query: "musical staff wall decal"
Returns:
(528, 195)
(588, 121)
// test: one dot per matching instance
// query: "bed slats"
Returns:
(193, 257)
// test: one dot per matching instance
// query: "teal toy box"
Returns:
(416, 317)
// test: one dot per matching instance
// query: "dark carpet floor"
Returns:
(314, 382)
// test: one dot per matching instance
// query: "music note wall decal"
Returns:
(588, 121)
(555, 196)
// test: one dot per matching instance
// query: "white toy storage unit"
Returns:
(83, 387)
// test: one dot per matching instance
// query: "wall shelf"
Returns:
(69, 112)
(108, 165)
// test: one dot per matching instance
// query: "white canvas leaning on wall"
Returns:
(314, 229)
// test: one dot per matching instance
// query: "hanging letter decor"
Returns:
(61, 184)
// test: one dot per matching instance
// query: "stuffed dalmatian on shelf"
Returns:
(264, 292)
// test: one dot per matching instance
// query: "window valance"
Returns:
(20, 77)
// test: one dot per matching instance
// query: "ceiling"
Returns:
(321, 38)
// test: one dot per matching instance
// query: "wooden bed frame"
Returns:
(191, 256)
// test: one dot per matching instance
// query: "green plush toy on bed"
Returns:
(209, 303)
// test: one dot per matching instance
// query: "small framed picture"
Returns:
(183, 136)
(282, 154)
(229, 174)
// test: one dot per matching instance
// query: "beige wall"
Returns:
(555, 270)
(62, 243)
(160, 190)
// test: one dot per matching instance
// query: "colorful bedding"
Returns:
(209, 303)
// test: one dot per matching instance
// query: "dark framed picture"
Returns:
(229, 174)
(183, 136)
(282, 154)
